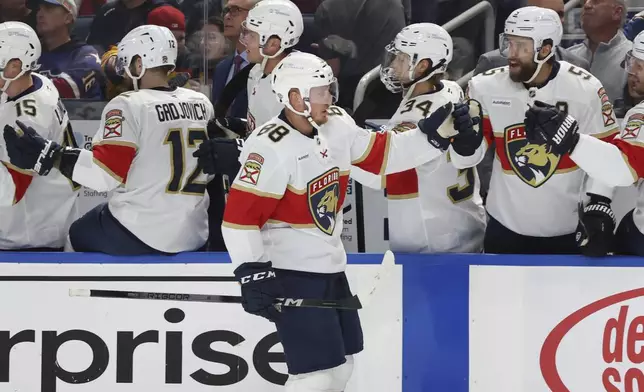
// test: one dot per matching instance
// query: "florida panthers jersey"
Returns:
(622, 161)
(143, 150)
(262, 102)
(35, 211)
(435, 207)
(285, 204)
(533, 191)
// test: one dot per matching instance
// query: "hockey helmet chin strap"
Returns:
(540, 63)
(409, 87)
(7, 81)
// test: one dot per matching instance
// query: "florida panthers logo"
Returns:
(532, 163)
(323, 197)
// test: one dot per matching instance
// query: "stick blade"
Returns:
(80, 293)
(383, 274)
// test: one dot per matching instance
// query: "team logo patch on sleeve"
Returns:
(404, 127)
(113, 124)
(633, 126)
(607, 108)
(323, 196)
(532, 163)
(252, 169)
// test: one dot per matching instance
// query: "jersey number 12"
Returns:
(174, 138)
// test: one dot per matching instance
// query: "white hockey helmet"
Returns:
(280, 18)
(634, 59)
(413, 44)
(18, 41)
(155, 45)
(536, 23)
(304, 72)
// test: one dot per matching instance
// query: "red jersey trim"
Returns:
(115, 158)
(21, 181)
(374, 159)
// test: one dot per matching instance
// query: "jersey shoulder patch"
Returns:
(633, 122)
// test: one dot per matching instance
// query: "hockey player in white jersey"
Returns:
(435, 207)
(35, 212)
(620, 162)
(143, 151)
(534, 191)
(283, 219)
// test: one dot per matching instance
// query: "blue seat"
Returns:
(81, 27)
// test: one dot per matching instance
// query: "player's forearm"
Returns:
(603, 162)
(244, 244)
(409, 150)
(87, 171)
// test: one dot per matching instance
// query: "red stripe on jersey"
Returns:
(249, 209)
(21, 181)
(403, 183)
(116, 157)
(376, 155)
(488, 132)
(634, 153)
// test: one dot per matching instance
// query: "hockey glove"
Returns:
(259, 288)
(227, 127)
(28, 150)
(219, 156)
(596, 226)
(467, 121)
(439, 127)
(545, 124)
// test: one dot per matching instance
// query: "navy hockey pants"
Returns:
(628, 239)
(315, 338)
(501, 240)
(99, 231)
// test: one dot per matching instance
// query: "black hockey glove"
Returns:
(219, 126)
(259, 288)
(219, 156)
(439, 127)
(596, 226)
(468, 123)
(28, 150)
(545, 124)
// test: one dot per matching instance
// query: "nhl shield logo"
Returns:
(323, 197)
(532, 163)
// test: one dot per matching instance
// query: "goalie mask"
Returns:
(417, 42)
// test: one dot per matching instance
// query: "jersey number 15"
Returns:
(175, 139)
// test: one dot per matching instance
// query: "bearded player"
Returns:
(143, 152)
(534, 190)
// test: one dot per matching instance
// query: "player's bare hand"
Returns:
(546, 124)
(28, 150)
(219, 156)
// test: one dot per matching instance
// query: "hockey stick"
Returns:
(386, 269)
(351, 303)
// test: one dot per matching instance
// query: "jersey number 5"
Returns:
(174, 138)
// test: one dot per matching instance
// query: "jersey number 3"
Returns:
(174, 138)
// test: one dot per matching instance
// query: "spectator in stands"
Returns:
(18, 11)
(495, 59)
(634, 26)
(605, 45)
(206, 48)
(71, 64)
(307, 6)
(117, 18)
(194, 12)
(370, 25)
(89, 7)
(234, 14)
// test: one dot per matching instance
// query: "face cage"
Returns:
(388, 74)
